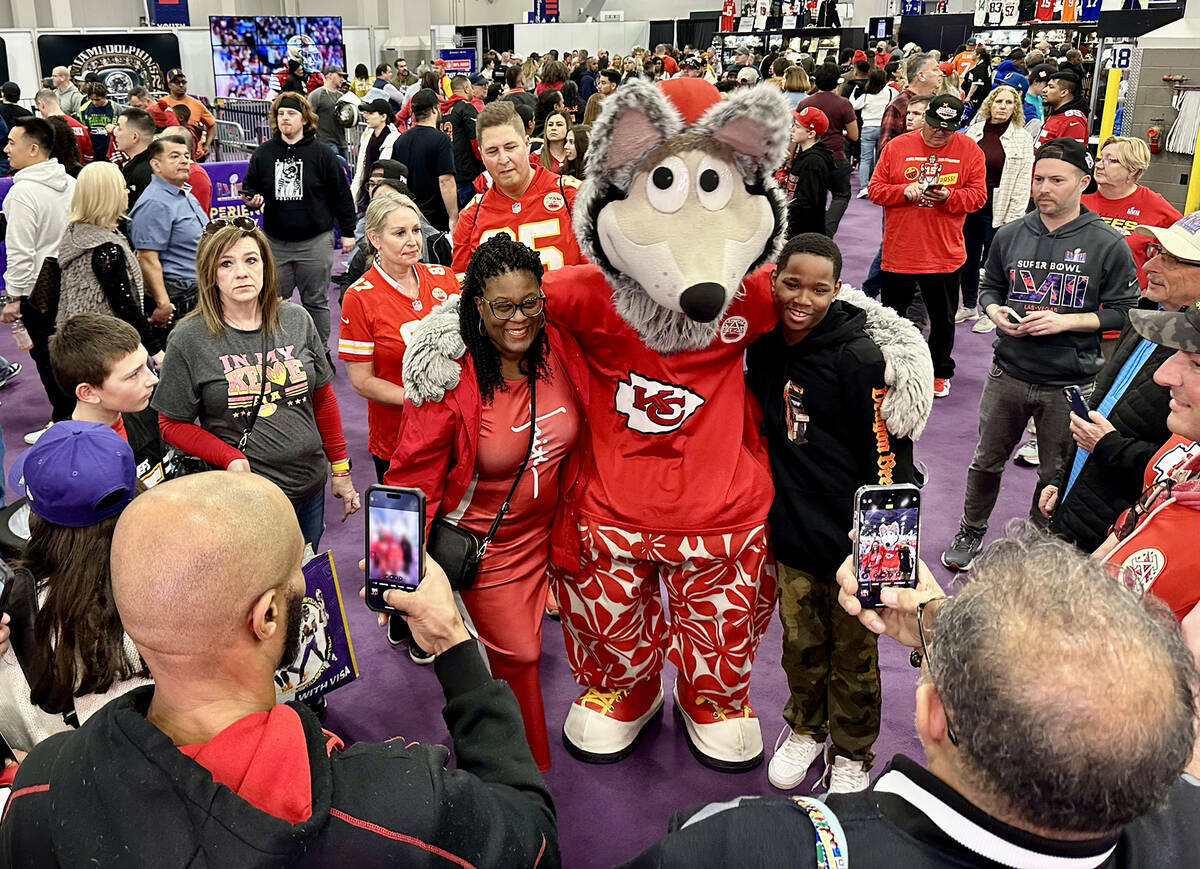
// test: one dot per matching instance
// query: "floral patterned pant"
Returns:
(720, 592)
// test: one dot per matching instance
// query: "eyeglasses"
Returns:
(1154, 249)
(245, 224)
(1149, 499)
(925, 625)
(504, 309)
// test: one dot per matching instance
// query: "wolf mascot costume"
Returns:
(677, 212)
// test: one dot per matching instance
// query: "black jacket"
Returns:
(884, 830)
(137, 176)
(841, 371)
(810, 171)
(117, 792)
(1111, 479)
(304, 188)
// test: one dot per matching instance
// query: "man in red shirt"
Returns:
(670, 67)
(928, 181)
(533, 205)
(46, 101)
(1066, 112)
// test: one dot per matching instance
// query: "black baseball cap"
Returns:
(945, 112)
(379, 107)
(175, 73)
(1070, 151)
(423, 101)
(1042, 72)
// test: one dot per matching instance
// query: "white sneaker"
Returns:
(983, 325)
(1028, 454)
(794, 754)
(32, 437)
(964, 314)
(862, 194)
(846, 776)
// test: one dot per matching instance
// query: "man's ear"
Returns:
(86, 392)
(932, 725)
(837, 287)
(267, 614)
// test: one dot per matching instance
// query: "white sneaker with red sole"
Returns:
(605, 726)
(729, 740)
(941, 387)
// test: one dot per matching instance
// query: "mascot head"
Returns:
(890, 533)
(679, 204)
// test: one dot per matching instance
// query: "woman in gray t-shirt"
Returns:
(212, 399)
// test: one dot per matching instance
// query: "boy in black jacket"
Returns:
(820, 379)
(809, 172)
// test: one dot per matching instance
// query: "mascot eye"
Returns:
(714, 182)
(667, 185)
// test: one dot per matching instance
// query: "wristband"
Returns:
(341, 466)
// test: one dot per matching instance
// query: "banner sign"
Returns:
(227, 191)
(170, 12)
(459, 61)
(545, 11)
(325, 656)
(121, 60)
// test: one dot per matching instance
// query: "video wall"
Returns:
(250, 52)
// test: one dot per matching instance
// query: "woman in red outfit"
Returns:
(464, 451)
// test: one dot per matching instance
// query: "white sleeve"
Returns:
(20, 243)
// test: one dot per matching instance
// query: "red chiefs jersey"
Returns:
(1044, 10)
(1073, 124)
(540, 219)
(669, 450)
(1142, 206)
(1163, 553)
(377, 320)
(728, 11)
(82, 138)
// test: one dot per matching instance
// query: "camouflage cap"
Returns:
(1177, 330)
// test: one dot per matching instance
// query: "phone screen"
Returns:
(887, 525)
(395, 541)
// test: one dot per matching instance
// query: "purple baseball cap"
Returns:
(77, 474)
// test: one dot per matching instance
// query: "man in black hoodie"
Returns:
(204, 768)
(819, 376)
(301, 187)
(1054, 280)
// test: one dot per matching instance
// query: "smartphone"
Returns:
(887, 529)
(1014, 317)
(1078, 403)
(5, 576)
(395, 542)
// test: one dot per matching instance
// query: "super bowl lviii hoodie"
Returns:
(1080, 268)
(35, 210)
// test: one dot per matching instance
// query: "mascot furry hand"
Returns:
(677, 210)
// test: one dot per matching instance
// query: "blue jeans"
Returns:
(866, 162)
(978, 233)
(873, 284)
(310, 513)
(465, 193)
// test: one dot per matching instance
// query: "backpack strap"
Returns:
(832, 852)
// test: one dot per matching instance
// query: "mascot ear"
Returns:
(755, 123)
(636, 119)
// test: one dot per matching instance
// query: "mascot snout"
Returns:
(703, 302)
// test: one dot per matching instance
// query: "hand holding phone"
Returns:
(395, 543)
(886, 540)
(1013, 316)
(1079, 407)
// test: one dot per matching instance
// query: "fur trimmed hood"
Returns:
(430, 356)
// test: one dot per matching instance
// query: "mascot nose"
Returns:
(702, 302)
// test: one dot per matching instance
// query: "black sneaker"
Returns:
(961, 553)
(9, 373)
(419, 655)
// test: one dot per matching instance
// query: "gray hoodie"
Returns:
(1082, 267)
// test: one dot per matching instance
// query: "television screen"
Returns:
(250, 54)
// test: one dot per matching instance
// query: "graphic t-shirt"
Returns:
(503, 441)
(428, 155)
(541, 219)
(1142, 206)
(96, 119)
(669, 435)
(216, 381)
(377, 321)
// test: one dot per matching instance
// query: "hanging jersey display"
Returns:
(1044, 10)
(1010, 13)
(1089, 10)
(1068, 10)
(911, 7)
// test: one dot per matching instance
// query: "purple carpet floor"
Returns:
(609, 813)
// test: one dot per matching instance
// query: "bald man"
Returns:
(206, 577)
(70, 98)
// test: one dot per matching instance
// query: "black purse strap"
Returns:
(524, 463)
(262, 390)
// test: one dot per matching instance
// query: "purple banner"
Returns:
(325, 659)
(227, 190)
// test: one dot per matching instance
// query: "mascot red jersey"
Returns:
(677, 209)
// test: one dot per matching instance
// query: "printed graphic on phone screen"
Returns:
(394, 555)
(887, 547)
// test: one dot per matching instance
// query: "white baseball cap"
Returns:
(1181, 239)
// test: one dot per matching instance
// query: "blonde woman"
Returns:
(246, 384)
(100, 274)
(999, 129)
(796, 85)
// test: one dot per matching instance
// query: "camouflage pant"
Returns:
(832, 666)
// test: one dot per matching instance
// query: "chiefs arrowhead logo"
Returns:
(1143, 567)
(653, 407)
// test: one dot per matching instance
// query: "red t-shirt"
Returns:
(1163, 551)
(201, 186)
(922, 238)
(1142, 206)
(524, 534)
(376, 321)
(541, 219)
(669, 444)
(670, 66)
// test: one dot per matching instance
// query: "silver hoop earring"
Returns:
(481, 329)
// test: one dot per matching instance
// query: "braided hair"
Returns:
(499, 255)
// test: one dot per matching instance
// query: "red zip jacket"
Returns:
(438, 440)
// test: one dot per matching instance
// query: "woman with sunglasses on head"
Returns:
(464, 452)
(213, 399)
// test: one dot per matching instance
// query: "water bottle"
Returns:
(21, 336)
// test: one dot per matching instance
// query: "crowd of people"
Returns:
(494, 347)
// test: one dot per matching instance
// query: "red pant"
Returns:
(721, 594)
(508, 621)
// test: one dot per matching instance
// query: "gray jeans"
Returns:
(1005, 407)
(306, 265)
